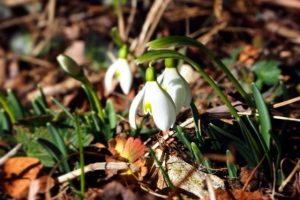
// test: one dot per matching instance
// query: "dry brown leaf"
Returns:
(249, 55)
(237, 194)
(18, 174)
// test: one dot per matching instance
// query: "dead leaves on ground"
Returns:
(18, 175)
(237, 194)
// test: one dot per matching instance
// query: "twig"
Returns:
(274, 117)
(37, 61)
(155, 22)
(10, 154)
(121, 23)
(13, 3)
(295, 4)
(18, 20)
(288, 179)
(152, 19)
(287, 102)
(253, 173)
(130, 19)
(98, 166)
(291, 34)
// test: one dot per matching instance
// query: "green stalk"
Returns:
(81, 159)
(89, 88)
(163, 172)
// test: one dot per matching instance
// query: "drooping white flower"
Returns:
(176, 86)
(154, 101)
(120, 70)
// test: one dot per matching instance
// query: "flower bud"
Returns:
(70, 66)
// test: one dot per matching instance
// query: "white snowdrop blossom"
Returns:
(120, 70)
(154, 101)
(177, 87)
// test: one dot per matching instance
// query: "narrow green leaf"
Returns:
(181, 136)
(111, 114)
(232, 168)
(57, 139)
(42, 99)
(225, 133)
(264, 117)
(116, 37)
(61, 106)
(267, 153)
(15, 105)
(56, 154)
(197, 121)
(200, 159)
(163, 172)
(94, 100)
(7, 108)
(5, 125)
(37, 108)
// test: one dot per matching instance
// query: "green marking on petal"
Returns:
(164, 87)
(147, 108)
(118, 74)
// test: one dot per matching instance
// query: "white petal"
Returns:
(162, 106)
(138, 99)
(177, 88)
(125, 75)
(109, 76)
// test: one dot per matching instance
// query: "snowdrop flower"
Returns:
(120, 70)
(154, 101)
(175, 85)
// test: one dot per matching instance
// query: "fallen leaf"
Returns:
(131, 149)
(18, 174)
(187, 177)
(237, 194)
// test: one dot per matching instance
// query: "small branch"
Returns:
(97, 166)
(253, 173)
(10, 154)
(287, 102)
(288, 179)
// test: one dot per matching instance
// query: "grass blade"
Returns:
(200, 159)
(232, 168)
(264, 117)
(15, 105)
(163, 172)
(57, 139)
(55, 154)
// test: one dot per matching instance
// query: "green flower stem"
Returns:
(89, 88)
(170, 63)
(150, 73)
(185, 41)
(81, 158)
(4, 104)
(123, 52)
